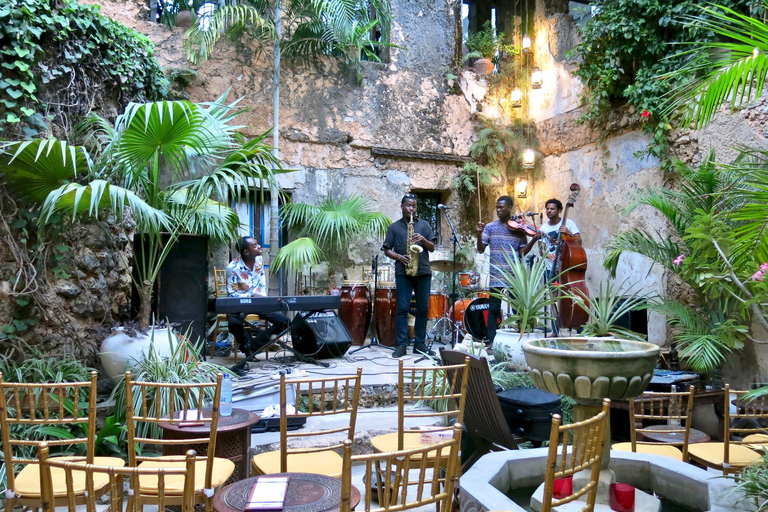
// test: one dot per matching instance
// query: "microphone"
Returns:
(531, 214)
(443, 207)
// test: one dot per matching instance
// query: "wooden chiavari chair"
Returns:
(186, 403)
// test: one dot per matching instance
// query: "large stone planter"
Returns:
(119, 351)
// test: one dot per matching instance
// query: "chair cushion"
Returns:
(174, 484)
(388, 443)
(320, 463)
(28, 479)
(757, 442)
(651, 449)
(712, 453)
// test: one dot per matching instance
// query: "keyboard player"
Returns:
(245, 278)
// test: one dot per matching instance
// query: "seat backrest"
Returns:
(750, 417)
(674, 408)
(220, 281)
(326, 397)
(483, 417)
(572, 458)
(443, 388)
(150, 403)
(29, 405)
(73, 471)
(388, 476)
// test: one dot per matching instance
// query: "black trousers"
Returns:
(279, 322)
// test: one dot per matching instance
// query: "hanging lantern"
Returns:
(522, 189)
(526, 43)
(516, 97)
(529, 159)
(536, 78)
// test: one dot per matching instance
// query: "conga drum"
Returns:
(386, 311)
(355, 310)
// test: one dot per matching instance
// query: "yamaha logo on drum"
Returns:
(478, 307)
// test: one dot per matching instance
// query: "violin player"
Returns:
(501, 239)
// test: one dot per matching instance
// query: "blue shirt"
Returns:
(500, 240)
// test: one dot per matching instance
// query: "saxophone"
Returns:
(413, 252)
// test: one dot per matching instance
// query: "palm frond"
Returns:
(735, 76)
(297, 254)
(229, 20)
(662, 251)
(197, 214)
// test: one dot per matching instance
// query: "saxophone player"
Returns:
(409, 242)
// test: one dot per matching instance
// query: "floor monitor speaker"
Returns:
(322, 335)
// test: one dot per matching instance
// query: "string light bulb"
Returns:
(526, 43)
(516, 97)
(529, 159)
(537, 79)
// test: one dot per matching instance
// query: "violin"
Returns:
(518, 223)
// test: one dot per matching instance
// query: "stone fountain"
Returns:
(589, 370)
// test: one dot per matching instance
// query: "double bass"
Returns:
(572, 259)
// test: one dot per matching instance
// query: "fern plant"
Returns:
(497, 153)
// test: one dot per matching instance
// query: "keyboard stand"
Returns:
(241, 367)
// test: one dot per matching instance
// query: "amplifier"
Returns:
(322, 335)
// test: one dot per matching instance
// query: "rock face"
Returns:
(88, 285)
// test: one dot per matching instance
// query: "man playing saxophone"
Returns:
(409, 242)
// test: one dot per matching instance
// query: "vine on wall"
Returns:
(61, 59)
(625, 51)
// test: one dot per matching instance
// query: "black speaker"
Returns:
(181, 289)
(321, 335)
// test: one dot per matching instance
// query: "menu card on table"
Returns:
(268, 494)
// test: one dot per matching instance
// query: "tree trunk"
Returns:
(274, 212)
(145, 304)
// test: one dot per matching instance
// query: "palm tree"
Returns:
(327, 230)
(737, 73)
(163, 160)
(302, 31)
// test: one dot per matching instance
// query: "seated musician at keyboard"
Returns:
(245, 278)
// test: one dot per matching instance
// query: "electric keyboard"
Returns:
(256, 305)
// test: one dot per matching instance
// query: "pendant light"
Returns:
(537, 79)
(526, 43)
(529, 158)
(516, 97)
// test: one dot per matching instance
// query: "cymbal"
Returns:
(446, 266)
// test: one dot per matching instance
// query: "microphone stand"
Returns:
(374, 340)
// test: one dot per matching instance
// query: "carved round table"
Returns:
(307, 492)
(233, 439)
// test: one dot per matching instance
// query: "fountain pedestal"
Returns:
(590, 369)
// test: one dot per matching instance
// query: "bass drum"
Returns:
(476, 318)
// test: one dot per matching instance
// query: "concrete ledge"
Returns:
(483, 485)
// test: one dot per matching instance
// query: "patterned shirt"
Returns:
(500, 241)
(244, 282)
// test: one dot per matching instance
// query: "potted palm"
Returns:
(163, 162)
(528, 297)
(483, 46)
(326, 231)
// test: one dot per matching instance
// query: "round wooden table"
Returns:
(233, 439)
(695, 436)
(307, 492)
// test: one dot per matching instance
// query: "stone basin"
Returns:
(590, 369)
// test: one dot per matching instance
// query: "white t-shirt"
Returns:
(551, 231)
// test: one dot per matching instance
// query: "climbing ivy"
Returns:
(625, 49)
(59, 58)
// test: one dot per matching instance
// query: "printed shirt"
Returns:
(244, 282)
(396, 240)
(500, 240)
(551, 231)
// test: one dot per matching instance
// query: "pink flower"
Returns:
(645, 114)
(764, 267)
(757, 276)
(677, 261)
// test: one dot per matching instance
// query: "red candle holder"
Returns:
(622, 498)
(562, 487)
